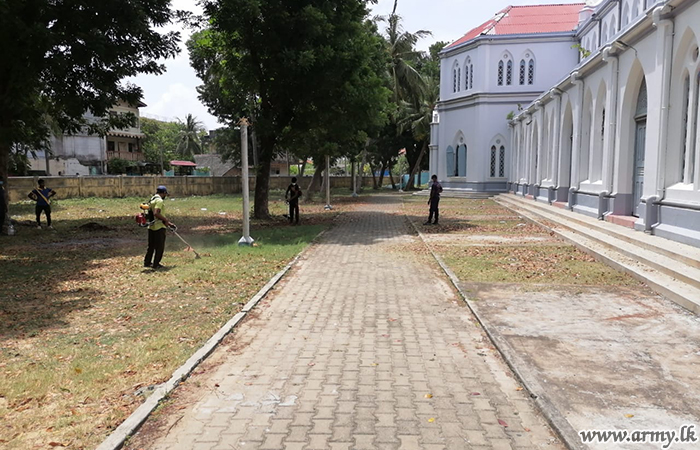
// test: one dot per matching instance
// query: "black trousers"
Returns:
(434, 209)
(156, 244)
(294, 211)
(47, 210)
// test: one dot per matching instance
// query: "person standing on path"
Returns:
(42, 196)
(434, 200)
(292, 195)
(157, 230)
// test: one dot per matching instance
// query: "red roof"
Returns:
(183, 163)
(529, 19)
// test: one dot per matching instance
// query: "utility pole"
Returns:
(246, 239)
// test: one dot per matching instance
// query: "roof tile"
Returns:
(531, 19)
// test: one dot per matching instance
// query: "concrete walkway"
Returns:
(365, 346)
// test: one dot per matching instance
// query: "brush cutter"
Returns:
(173, 228)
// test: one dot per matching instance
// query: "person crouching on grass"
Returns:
(157, 230)
(42, 196)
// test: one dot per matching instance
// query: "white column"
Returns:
(577, 81)
(556, 138)
(664, 55)
(611, 115)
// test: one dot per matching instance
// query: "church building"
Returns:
(592, 107)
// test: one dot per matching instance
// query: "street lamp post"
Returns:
(246, 239)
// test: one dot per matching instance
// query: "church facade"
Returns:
(612, 130)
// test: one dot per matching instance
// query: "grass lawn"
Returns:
(526, 253)
(84, 328)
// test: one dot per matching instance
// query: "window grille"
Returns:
(509, 73)
(531, 72)
(522, 72)
(471, 76)
(500, 73)
(502, 162)
(493, 161)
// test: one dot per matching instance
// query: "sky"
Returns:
(173, 95)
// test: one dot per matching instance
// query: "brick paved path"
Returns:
(362, 348)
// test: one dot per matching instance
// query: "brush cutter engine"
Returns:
(146, 217)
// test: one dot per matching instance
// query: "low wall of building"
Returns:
(126, 186)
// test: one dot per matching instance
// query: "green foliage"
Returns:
(511, 115)
(189, 142)
(582, 51)
(118, 166)
(63, 58)
(160, 137)
(307, 73)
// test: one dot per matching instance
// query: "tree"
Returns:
(63, 58)
(418, 116)
(301, 70)
(406, 82)
(189, 143)
(160, 141)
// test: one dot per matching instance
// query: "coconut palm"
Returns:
(189, 143)
(418, 117)
(407, 82)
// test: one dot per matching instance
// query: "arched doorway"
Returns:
(640, 119)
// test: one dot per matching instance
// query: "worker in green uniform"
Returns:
(157, 230)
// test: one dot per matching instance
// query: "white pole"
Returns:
(246, 239)
(328, 183)
(355, 169)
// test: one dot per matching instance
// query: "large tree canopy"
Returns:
(63, 58)
(296, 68)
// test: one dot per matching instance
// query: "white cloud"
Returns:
(178, 100)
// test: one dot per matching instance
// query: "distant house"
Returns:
(217, 167)
(85, 154)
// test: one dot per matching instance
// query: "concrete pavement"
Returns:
(364, 346)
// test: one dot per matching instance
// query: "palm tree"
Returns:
(407, 82)
(417, 118)
(189, 143)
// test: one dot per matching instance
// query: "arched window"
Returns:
(471, 76)
(466, 77)
(625, 15)
(493, 161)
(522, 72)
(455, 80)
(531, 72)
(500, 73)
(502, 162)
(459, 79)
(613, 27)
(509, 73)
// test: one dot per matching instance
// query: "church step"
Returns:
(455, 193)
(667, 262)
(683, 253)
(678, 282)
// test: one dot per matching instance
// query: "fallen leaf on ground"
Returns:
(428, 395)
(502, 423)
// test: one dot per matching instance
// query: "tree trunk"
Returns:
(262, 177)
(391, 176)
(4, 166)
(416, 168)
(374, 176)
(382, 169)
(303, 168)
(315, 185)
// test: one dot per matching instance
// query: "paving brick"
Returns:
(347, 348)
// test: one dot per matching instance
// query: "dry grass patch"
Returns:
(85, 329)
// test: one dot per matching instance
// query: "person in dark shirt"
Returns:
(292, 196)
(434, 201)
(42, 196)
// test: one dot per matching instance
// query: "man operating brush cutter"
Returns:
(157, 230)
